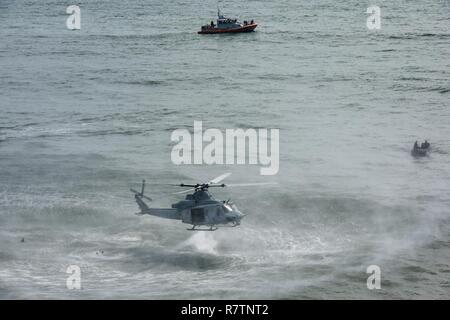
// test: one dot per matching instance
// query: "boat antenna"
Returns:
(218, 10)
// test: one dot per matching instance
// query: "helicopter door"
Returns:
(198, 215)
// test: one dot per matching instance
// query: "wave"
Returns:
(439, 89)
(409, 36)
(115, 131)
(144, 82)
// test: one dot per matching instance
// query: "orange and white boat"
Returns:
(227, 25)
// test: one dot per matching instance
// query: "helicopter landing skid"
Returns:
(210, 229)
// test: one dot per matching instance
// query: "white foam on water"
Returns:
(203, 242)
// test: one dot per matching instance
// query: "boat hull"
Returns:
(419, 152)
(247, 28)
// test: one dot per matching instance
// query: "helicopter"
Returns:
(199, 208)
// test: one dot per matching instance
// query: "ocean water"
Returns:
(87, 114)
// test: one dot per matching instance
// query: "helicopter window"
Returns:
(198, 215)
(227, 208)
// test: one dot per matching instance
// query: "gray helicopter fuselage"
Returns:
(197, 209)
(201, 208)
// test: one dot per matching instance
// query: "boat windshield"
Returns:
(226, 20)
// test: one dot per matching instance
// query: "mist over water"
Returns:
(87, 114)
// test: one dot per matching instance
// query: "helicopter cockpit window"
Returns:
(227, 208)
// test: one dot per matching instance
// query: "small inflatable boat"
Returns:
(419, 152)
(422, 150)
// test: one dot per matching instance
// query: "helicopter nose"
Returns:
(236, 216)
(239, 216)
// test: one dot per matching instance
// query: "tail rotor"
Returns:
(141, 194)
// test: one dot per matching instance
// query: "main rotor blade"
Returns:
(184, 191)
(220, 178)
(250, 184)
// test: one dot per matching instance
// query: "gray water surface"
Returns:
(85, 115)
